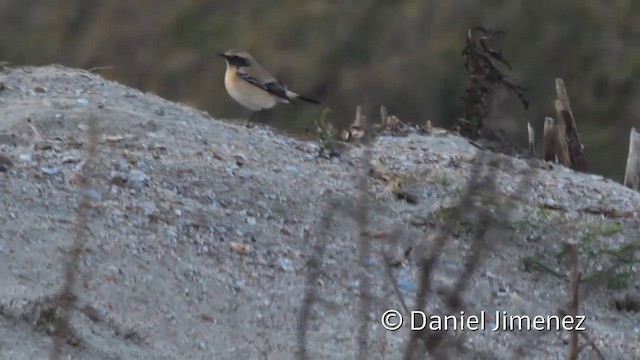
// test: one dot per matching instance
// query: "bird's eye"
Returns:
(240, 61)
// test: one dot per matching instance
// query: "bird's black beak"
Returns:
(222, 55)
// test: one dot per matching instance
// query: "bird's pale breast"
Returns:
(249, 96)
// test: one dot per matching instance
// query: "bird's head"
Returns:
(237, 58)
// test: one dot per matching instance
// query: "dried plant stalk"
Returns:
(484, 79)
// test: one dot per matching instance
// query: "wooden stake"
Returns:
(549, 140)
(562, 143)
(358, 120)
(532, 139)
(632, 173)
(384, 115)
(565, 115)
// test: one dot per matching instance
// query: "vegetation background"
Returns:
(405, 54)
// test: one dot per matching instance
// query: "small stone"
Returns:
(44, 145)
(149, 207)
(78, 179)
(93, 194)
(239, 247)
(516, 299)
(25, 157)
(251, 221)
(114, 138)
(70, 159)
(292, 170)
(5, 162)
(122, 165)
(143, 166)
(245, 174)
(136, 176)
(286, 264)
(215, 204)
(82, 101)
(118, 178)
(50, 170)
(407, 284)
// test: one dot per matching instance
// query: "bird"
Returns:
(252, 86)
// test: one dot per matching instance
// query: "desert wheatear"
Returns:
(248, 83)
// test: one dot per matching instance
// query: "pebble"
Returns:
(407, 284)
(245, 174)
(143, 166)
(70, 159)
(286, 264)
(215, 204)
(118, 178)
(44, 145)
(149, 207)
(50, 170)
(136, 176)
(122, 165)
(93, 194)
(251, 221)
(292, 170)
(5, 162)
(25, 157)
(82, 101)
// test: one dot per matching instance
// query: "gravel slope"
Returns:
(201, 231)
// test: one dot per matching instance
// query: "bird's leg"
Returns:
(254, 114)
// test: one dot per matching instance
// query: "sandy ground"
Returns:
(201, 231)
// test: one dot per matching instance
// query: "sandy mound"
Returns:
(201, 231)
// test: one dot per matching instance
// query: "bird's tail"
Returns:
(293, 95)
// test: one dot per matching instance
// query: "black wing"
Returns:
(278, 89)
(274, 87)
